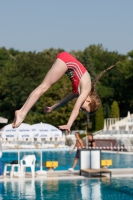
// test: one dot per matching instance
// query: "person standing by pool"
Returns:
(87, 98)
(79, 145)
(91, 141)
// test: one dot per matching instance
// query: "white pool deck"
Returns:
(66, 175)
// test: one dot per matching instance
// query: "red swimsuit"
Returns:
(75, 69)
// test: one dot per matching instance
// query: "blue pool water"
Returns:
(93, 189)
(65, 159)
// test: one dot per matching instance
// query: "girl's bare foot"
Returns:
(18, 119)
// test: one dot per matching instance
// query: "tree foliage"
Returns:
(99, 119)
(21, 72)
(115, 112)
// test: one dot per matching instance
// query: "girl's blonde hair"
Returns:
(95, 100)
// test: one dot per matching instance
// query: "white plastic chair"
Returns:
(28, 161)
(12, 171)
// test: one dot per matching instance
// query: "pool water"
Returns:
(65, 159)
(92, 189)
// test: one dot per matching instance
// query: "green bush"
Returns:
(99, 119)
(115, 112)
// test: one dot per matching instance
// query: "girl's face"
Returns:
(85, 107)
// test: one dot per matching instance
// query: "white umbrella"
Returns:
(3, 120)
(8, 132)
(56, 133)
(105, 127)
(45, 130)
(128, 115)
(25, 131)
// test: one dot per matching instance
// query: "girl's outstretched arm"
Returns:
(64, 101)
(81, 99)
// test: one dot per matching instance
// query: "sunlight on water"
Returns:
(105, 189)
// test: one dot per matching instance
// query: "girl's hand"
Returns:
(48, 109)
(65, 127)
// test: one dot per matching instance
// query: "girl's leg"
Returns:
(53, 75)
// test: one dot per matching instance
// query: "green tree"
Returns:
(115, 112)
(99, 119)
(21, 72)
(106, 111)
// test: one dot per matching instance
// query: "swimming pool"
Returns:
(65, 159)
(92, 189)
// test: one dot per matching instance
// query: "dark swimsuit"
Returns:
(90, 143)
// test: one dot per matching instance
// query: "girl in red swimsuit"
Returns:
(87, 99)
